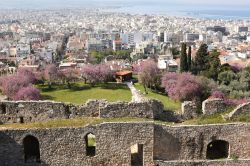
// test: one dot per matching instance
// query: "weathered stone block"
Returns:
(189, 110)
(213, 106)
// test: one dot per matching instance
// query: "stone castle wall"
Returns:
(190, 142)
(162, 145)
(24, 111)
(67, 146)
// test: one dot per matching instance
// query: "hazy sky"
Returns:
(225, 2)
(81, 3)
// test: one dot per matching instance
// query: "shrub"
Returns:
(236, 102)
(28, 93)
(226, 77)
(218, 94)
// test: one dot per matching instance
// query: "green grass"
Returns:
(91, 142)
(81, 122)
(213, 119)
(219, 118)
(167, 102)
(80, 92)
(242, 118)
(77, 122)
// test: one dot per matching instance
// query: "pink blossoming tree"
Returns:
(69, 75)
(149, 74)
(96, 73)
(185, 86)
(28, 93)
(51, 74)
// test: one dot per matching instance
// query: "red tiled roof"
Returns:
(123, 73)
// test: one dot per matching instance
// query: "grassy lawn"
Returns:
(80, 92)
(217, 119)
(167, 102)
(77, 122)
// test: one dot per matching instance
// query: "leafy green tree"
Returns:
(245, 80)
(175, 51)
(183, 64)
(226, 77)
(225, 67)
(123, 54)
(214, 65)
(248, 68)
(97, 57)
(201, 61)
(189, 58)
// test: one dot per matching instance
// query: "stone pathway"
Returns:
(137, 96)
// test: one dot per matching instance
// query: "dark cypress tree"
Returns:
(201, 61)
(31, 49)
(214, 65)
(189, 58)
(183, 63)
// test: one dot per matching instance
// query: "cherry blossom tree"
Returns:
(28, 93)
(96, 73)
(12, 84)
(149, 74)
(68, 75)
(51, 74)
(186, 86)
(28, 75)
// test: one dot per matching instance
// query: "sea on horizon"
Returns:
(134, 7)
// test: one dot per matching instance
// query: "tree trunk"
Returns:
(49, 83)
(69, 85)
(145, 89)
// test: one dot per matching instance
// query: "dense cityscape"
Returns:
(126, 86)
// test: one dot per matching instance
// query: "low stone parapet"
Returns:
(243, 109)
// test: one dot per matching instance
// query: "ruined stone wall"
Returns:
(22, 111)
(190, 142)
(243, 109)
(148, 109)
(33, 111)
(213, 106)
(90, 109)
(189, 110)
(66, 146)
